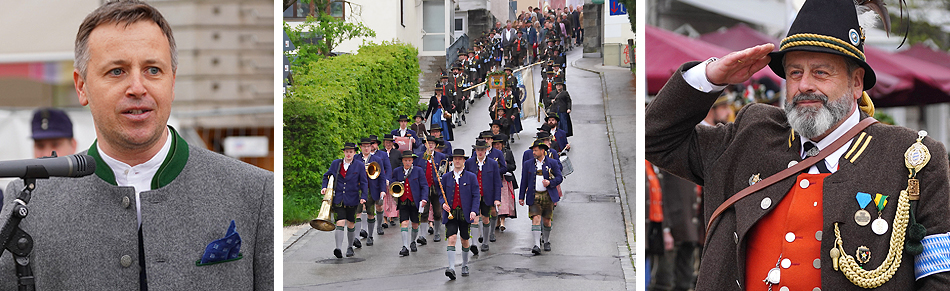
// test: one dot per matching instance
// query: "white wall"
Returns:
(383, 18)
(616, 32)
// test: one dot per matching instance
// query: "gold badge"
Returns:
(863, 255)
(917, 155)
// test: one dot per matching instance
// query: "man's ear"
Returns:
(80, 85)
(857, 81)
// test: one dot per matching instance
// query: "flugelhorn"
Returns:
(397, 188)
(322, 222)
(373, 170)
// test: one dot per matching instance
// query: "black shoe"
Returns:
(491, 237)
(547, 247)
(363, 233)
(369, 241)
(512, 140)
(421, 240)
(464, 271)
(480, 240)
(404, 252)
(474, 250)
(437, 237)
(338, 253)
(357, 244)
(380, 230)
(392, 222)
(536, 250)
(450, 273)
(385, 225)
(412, 246)
(431, 230)
(501, 228)
(349, 252)
(484, 247)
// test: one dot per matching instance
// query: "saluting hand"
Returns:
(737, 67)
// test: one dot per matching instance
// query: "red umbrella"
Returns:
(667, 51)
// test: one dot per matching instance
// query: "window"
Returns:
(335, 9)
(300, 9)
(458, 24)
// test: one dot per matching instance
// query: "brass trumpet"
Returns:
(397, 188)
(373, 170)
(322, 222)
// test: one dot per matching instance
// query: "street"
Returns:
(590, 229)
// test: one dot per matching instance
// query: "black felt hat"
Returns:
(459, 153)
(501, 137)
(418, 114)
(349, 146)
(408, 154)
(403, 117)
(486, 134)
(435, 127)
(543, 135)
(366, 140)
(481, 144)
(539, 143)
(552, 116)
(825, 26)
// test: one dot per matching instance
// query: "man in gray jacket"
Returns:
(158, 213)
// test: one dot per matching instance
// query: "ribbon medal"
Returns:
(862, 217)
(879, 226)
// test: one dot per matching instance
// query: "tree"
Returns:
(319, 35)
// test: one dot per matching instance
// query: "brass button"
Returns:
(126, 261)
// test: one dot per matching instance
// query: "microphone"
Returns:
(67, 166)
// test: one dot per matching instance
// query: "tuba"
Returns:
(322, 222)
(373, 170)
(397, 188)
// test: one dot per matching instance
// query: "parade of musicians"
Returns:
(506, 170)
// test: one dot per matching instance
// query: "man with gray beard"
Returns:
(809, 227)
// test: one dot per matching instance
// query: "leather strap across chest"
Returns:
(797, 168)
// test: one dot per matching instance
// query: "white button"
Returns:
(792, 164)
(816, 289)
(817, 263)
(815, 204)
(786, 263)
(784, 288)
(804, 184)
(790, 237)
(766, 202)
(818, 235)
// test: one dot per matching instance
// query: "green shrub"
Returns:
(336, 100)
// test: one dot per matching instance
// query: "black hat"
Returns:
(559, 82)
(543, 135)
(499, 138)
(496, 122)
(439, 142)
(388, 137)
(435, 127)
(552, 116)
(458, 153)
(349, 146)
(462, 52)
(408, 154)
(456, 65)
(438, 87)
(432, 139)
(365, 140)
(826, 26)
(486, 134)
(403, 117)
(373, 138)
(550, 71)
(481, 144)
(418, 114)
(51, 123)
(544, 127)
(444, 76)
(509, 66)
(540, 143)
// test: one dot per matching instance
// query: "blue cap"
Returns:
(51, 123)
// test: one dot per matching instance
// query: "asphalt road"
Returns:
(589, 238)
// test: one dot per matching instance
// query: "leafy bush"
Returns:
(336, 100)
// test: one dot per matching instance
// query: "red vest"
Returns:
(457, 200)
(408, 194)
(342, 171)
(789, 230)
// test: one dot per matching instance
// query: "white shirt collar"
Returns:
(832, 160)
(139, 176)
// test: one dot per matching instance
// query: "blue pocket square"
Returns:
(225, 249)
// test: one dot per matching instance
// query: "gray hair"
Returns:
(124, 12)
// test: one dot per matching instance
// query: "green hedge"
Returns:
(336, 100)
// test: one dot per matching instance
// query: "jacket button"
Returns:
(125, 202)
(816, 263)
(818, 235)
(766, 203)
(126, 261)
(736, 237)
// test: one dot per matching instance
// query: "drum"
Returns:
(567, 167)
(404, 143)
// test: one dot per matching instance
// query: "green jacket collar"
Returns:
(171, 167)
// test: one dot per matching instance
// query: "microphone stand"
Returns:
(17, 241)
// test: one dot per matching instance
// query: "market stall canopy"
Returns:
(667, 51)
(926, 53)
(920, 82)
(738, 37)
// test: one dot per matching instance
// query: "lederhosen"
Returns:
(406, 204)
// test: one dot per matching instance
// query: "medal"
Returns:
(862, 217)
(879, 226)
(863, 254)
(754, 179)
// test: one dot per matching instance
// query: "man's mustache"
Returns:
(801, 97)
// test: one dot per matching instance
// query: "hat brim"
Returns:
(50, 135)
(778, 57)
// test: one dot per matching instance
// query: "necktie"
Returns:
(811, 150)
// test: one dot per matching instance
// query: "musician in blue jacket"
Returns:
(404, 131)
(461, 200)
(387, 167)
(546, 138)
(435, 131)
(414, 198)
(489, 175)
(350, 188)
(494, 154)
(542, 175)
(429, 162)
(377, 188)
(559, 142)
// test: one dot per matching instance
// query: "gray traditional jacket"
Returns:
(760, 141)
(86, 233)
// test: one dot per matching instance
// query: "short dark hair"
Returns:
(124, 12)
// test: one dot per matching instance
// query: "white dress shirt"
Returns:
(138, 176)
(539, 179)
(831, 161)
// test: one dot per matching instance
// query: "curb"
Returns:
(296, 237)
(629, 269)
